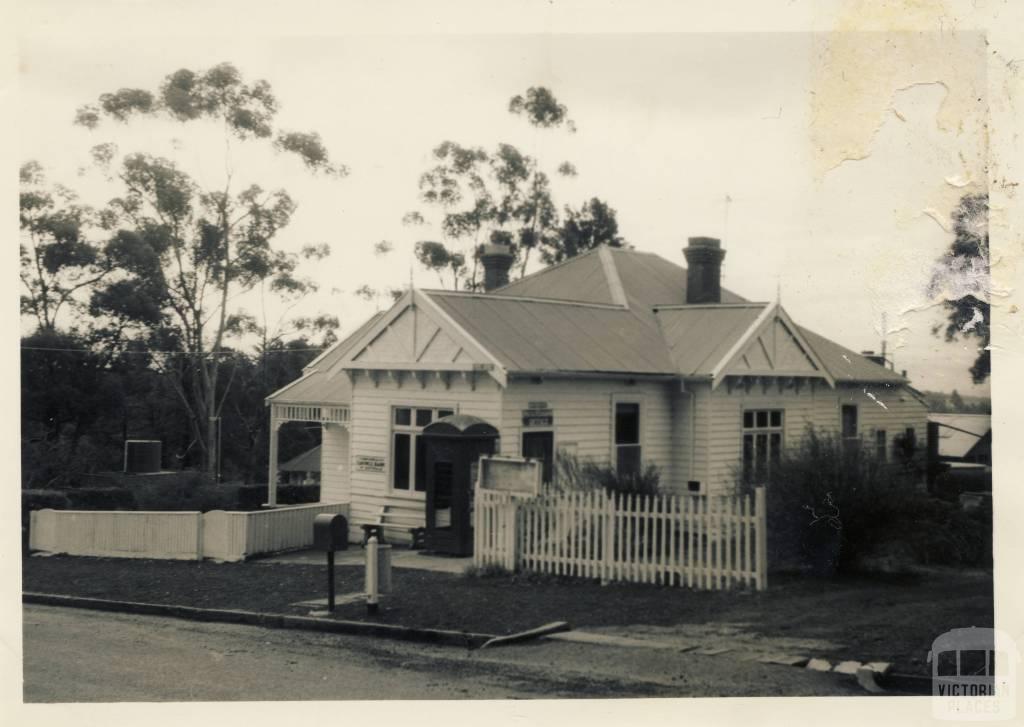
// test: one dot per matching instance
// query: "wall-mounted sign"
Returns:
(538, 417)
(538, 405)
(369, 464)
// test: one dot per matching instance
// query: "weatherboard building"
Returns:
(616, 355)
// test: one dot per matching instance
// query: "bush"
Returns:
(101, 498)
(573, 474)
(831, 509)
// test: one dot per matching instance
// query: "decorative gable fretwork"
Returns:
(417, 341)
(772, 353)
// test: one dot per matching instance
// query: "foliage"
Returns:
(573, 474)
(962, 279)
(58, 259)
(592, 225)
(183, 253)
(831, 507)
(504, 196)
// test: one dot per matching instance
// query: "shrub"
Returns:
(831, 508)
(101, 498)
(573, 474)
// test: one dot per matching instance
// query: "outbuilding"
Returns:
(616, 355)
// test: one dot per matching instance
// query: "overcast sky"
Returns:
(668, 125)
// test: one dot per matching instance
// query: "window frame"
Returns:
(750, 474)
(641, 444)
(413, 431)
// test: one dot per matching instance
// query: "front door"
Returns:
(541, 445)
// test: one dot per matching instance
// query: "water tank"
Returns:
(141, 456)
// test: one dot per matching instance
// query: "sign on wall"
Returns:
(365, 463)
(539, 417)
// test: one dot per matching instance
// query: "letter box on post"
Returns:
(330, 533)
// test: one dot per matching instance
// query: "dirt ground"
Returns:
(863, 618)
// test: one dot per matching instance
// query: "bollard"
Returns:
(372, 595)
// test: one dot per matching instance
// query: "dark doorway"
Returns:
(541, 445)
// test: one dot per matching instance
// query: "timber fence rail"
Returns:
(704, 542)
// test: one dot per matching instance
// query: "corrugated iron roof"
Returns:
(698, 337)
(539, 336)
(961, 432)
(308, 461)
(846, 365)
(647, 279)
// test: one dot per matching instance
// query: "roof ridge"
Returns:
(694, 306)
(549, 268)
(525, 299)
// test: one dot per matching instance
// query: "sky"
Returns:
(842, 177)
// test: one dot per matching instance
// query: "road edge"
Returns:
(267, 620)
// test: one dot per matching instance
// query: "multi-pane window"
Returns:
(408, 452)
(762, 442)
(627, 438)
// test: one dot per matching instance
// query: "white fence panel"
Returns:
(121, 534)
(219, 534)
(694, 541)
(234, 536)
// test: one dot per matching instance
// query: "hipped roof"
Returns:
(607, 311)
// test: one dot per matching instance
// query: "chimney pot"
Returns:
(497, 260)
(704, 270)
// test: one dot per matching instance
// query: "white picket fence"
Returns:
(219, 534)
(705, 542)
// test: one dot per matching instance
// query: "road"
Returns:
(73, 655)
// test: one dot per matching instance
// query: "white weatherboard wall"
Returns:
(583, 416)
(371, 434)
(334, 464)
(720, 420)
(120, 534)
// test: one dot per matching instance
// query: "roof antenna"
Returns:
(725, 218)
(885, 333)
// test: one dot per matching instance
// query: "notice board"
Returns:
(509, 474)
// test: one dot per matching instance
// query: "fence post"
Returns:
(607, 536)
(762, 538)
(509, 516)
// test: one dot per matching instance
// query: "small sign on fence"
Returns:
(509, 474)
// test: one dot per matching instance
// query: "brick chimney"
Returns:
(704, 270)
(496, 259)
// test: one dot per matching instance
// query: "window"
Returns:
(848, 422)
(880, 445)
(540, 445)
(762, 442)
(408, 455)
(627, 438)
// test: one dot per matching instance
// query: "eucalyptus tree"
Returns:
(184, 252)
(502, 196)
(962, 279)
(61, 259)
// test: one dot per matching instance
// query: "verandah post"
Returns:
(761, 546)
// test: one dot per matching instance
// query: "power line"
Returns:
(178, 353)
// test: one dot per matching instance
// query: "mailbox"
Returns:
(330, 532)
